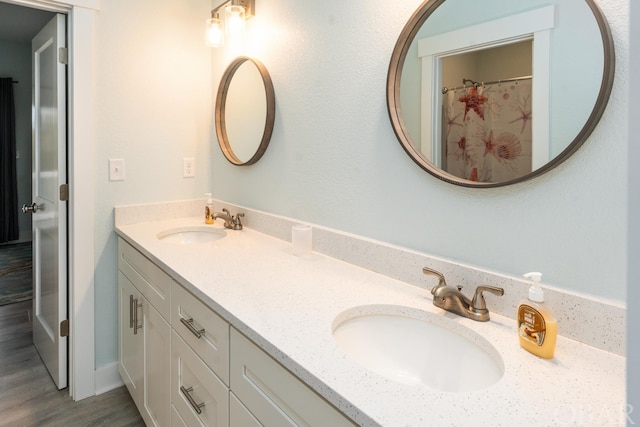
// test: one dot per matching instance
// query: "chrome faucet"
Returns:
(453, 300)
(230, 221)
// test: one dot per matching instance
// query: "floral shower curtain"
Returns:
(487, 131)
(8, 178)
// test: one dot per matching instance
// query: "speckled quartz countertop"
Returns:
(288, 304)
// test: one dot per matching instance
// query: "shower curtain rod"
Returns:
(476, 84)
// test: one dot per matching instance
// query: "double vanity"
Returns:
(229, 327)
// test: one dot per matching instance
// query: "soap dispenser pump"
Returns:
(537, 328)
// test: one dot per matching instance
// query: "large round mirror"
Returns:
(494, 92)
(245, 111)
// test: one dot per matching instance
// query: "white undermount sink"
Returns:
(191, 235)
(416, 347)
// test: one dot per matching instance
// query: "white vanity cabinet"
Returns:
(184, 365)
(145, 334)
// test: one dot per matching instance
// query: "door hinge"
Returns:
(64, 328)
(64, 193)
(63, 55)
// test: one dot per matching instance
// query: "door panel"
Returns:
(46, 302)
(50, 215)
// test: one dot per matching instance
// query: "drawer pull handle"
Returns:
(187, 393)
(136, 305)
(130, 311)
(189, 324)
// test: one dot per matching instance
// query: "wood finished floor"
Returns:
(28, 395)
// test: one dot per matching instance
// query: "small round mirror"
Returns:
(245, 111)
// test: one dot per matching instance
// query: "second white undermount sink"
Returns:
(191, 235)
(426, 350)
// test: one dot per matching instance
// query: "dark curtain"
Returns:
(8, 178)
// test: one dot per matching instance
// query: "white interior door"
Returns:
(50, 325)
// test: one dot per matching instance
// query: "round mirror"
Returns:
(491, 93)
(245, 111)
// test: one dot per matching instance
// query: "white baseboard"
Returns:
(107, 378)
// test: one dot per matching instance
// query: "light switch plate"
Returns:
(116, 170)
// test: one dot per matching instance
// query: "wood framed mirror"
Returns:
(466, 111)
(245, 111)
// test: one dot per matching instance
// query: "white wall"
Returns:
(334, 159)
(15, 61)
(153, 75)
(633, 315)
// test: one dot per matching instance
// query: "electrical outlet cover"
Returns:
(188, 167)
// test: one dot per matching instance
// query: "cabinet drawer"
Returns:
(193, 384)
(176, 419)
(189, 317)
(272, 394)
(152, 282)
(239, 416)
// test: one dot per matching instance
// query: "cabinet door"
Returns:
(129, 344)
(274, 395)
(156, 337)
(199, 396)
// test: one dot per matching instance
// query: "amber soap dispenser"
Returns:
(208, 209)
(537, 328)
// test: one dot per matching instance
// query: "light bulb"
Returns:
(234, 20)
(214, 32)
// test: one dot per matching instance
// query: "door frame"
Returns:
(81, 146)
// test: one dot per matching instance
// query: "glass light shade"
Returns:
(234, 20)
(214, 32)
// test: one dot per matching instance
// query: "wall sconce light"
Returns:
(215, 31)
(236, 12)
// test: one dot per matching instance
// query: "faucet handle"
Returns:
(237, 224)
(440, 276)
(478, 304)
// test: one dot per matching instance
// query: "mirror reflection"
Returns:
(495, 94)
(245, 111)
(489, 114)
